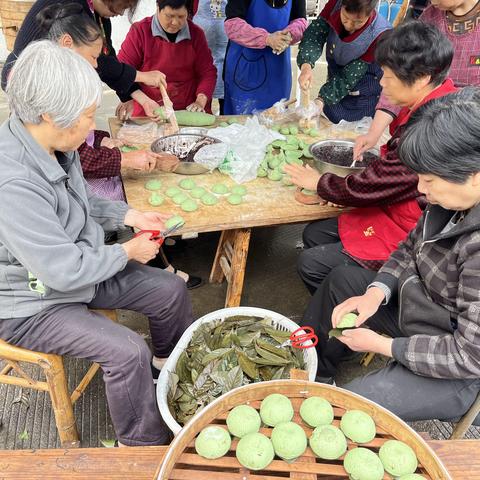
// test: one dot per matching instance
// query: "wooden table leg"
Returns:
(230, 261)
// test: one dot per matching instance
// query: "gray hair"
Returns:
(49, 79)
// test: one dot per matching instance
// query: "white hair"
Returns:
(53, 80)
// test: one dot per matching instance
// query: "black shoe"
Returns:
(155, 373)
(194, 282)
(327, 380)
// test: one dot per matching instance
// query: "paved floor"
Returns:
(26, 416)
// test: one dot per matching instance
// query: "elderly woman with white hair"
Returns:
(54, 264)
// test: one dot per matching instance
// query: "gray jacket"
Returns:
(51, 228)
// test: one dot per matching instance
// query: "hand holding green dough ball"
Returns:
(220, 189)
(153, 185)
(275, 409)
(358, 426)
(243, 420)
(189, 205)
(289, 440)
(209, 200)
(234, 199)
(187, 184)
(348, 320)
(156, 199)
(316, 411)
(328, 442)
(213, 442)
(363, 464)
(179, 198)
(398, 458)
(255, 451)
(175, 220)
(172, 191)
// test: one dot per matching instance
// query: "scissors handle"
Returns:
(155, 235)
(302, 335)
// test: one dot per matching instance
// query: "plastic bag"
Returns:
(360, 127)
(247, 145)
(278, 114)
(211, 156)
(147, 133)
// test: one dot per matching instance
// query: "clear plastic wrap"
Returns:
(147, 133)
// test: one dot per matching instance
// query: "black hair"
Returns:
(116, 5)
(442, 137)
(59, 19)
(176, 4)
(414, 50)
(360, 6)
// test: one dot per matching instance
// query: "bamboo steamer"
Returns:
(12, 14)
(182, 462)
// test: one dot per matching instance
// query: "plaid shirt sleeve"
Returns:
(98, 161)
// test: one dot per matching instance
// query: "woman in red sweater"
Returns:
(177, 48)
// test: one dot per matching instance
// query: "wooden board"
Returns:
(266, 203)
(182, 463)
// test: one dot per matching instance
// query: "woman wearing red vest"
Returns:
(415, 59)
(178, 49)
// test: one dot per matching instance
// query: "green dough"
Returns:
(358, 426)
(209, 199)
(172, 191)
(289, 440)
(234, 199)
(223, 124)
(316, 411)
(363, 464)
(412, 476)
(189, 205)
(292, 140)
(306, 152)
(198, 192)
(213, 442)
(398, 458)
(309, 192)
(348, 320)
(275, 175)
(285, 131)
(187, 184)
(179, 198)
(156, 199)
(239, 190)
(232, 120)
(129, 148)
(293, 130)
(275, 409)
(314, 132)
(293, 154)
(175, 220)
(255, 451)
(294, 161)
(262, 172)
(287, 181)
(153, 185)
(328, 442)
(243, 420)
(220, 189)
(275, 128)
(274, 161)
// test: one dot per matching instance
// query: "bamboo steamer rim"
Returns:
(302, 389)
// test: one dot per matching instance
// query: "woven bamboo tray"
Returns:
(182, 463)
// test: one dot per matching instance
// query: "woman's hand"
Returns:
(305, 177)
(199, 104)
(278, 41)
(146, 220)
(144, 160)
(150, 106)
(166, 162)
(124, 110)
(365, 340)
(141, 248)
(153, 78)
(362, 144)
(305, 78)
(111, 142)
(365, 305)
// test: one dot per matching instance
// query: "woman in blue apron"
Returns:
(210, 15)
(350, 29)
(257, 70)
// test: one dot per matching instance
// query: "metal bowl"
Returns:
(194, 130)
(184, 146)
(326, 167)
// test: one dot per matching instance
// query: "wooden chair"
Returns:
(466, 421)
(55, 383)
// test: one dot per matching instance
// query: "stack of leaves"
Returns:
(223, 355)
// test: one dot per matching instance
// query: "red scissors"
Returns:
(158, 236)
(303, 337)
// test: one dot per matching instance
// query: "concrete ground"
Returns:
(26, 415)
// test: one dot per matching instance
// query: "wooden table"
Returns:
(267, 203)
(461, 457)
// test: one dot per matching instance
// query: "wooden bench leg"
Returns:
(466, 421)
(61, 402)
(230, 261)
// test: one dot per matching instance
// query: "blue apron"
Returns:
(363, 98)
(257, 78)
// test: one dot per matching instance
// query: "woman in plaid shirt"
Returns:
(426, 298)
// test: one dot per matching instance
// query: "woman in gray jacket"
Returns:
(54, 264)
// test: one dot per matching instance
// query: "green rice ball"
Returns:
(362, 464)
(179, 198)
(348, 321)
(198, 192)
(255, 451)
(398, 458)
(239, 190)
(220, 189)
(243, 420)
(289, 440)
(175, 220)
(172, 191)
(275, 409)
(328, 442)
(234, 199)
(412, 476)
(187, 184)
(358, 426)
(316, 411)
(213, 442)
(153, 185)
